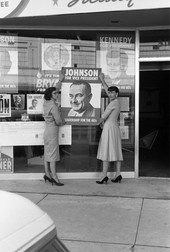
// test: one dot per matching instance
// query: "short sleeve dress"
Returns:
(110, 147)
(53, 120)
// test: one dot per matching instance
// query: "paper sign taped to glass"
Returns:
(8, 64)
(6, 159)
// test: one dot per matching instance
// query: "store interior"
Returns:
(154, 119)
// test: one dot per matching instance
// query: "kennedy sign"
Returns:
(26, 8)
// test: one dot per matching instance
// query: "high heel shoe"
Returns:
(117, 179)
(46, 178)
(56, 183)
(105, 179)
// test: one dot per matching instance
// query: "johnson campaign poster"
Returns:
(81, 96)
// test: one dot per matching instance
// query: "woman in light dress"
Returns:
(110, 148)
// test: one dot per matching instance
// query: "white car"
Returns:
(24, 227)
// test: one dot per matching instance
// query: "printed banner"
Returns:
(5, 105)
(8, 64)
(81, 96)
(44, 81)
(35, 103)
(26, 8)
(116, 58)
(6, 159)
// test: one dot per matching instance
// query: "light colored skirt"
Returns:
(110, 147)
(51, 144)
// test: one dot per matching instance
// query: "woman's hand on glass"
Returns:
(101, 76)
(101, 123)
(61, 78)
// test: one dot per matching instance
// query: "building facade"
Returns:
(127, 41)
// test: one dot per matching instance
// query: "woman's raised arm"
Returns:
(101, 77)
(61, 78)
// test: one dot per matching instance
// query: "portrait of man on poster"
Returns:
(34, 104)
(55, 56)
(8, 70)
(5, 63)
(80, 96)
(18, 101)
(116, 68)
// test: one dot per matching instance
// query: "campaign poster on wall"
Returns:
(45, 80)
(35, 104)
(5, 105)
(55, 56)
(81, 96)
(116, 58)
(18, 101)
(6, 159)
(8, 64)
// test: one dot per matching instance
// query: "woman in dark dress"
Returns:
(53, 120)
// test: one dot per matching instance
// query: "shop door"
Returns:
(154, 118)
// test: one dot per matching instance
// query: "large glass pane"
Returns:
(155, 43)
(34, 72)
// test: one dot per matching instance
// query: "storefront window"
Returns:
(33, 63)
(155, 43)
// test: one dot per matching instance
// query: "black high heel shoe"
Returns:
(105, 179)
(117, 180)
(56, 183)
(46, 178)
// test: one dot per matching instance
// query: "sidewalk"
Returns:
(131, 216)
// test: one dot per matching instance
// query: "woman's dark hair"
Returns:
(113, 88)
(48, 93)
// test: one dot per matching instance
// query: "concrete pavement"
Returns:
(131, 216)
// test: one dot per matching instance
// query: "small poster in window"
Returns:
(124, 131)
(18, 101)
(45, 80)
(6, 159)
(8, 64)
(55, 56)
(35, 103)
(5, 105)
